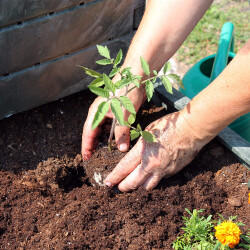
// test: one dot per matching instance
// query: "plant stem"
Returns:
(111, 134)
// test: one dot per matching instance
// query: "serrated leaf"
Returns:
(134, 134)
(97, 82)
(136, 83)
(131, 118)
(108, 83)
(104, 62)
(126, 124)
(149, 89)
(125, 70)
(127, 104)
(124, 82)
(148, 136)
(145, 66)
(155, 72)
(103, 51)
(138, 77)
(91, 72)
(99, 91)
(114, 72)
(117, 111)
(177, 79)
(166, 67)
(167, 84)
(118, 58)
(100, 113)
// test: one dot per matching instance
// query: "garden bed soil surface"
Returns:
(50, 199)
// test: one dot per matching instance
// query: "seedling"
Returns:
(103, 86)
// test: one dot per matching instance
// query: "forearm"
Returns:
(224, 100)
(164, 27)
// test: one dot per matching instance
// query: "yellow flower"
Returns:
(248, 198)
(228, 233)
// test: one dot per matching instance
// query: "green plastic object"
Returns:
(206, 70)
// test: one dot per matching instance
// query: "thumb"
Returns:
(122, 138)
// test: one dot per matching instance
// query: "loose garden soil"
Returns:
(50, 199)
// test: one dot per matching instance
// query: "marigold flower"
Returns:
(228, 233)
(248, 198)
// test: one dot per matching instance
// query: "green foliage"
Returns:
(245, 241)
(204, 39)
(103, 86)
(198, 232)
(101, 112)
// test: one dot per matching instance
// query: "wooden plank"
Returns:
(51, 80)
(49, 37)
(14, 11)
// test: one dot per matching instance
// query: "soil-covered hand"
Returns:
(147, 163)
(90, 138)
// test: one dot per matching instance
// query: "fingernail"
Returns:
(123, 147)
(108, 184)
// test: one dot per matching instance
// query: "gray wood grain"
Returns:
(52, 36)
(13, 11)
(51, 80)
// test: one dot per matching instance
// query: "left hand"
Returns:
(147, 163)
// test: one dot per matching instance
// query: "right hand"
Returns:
(90, 138)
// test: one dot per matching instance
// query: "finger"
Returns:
(89, 136)
(125, 166)
(122, 138)
(134, 180)
(151, 182)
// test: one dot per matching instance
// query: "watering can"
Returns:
(206, 70)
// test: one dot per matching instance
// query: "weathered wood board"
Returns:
(52, 36)
(51, 80)
(14, 11)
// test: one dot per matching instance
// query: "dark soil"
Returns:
(50, 199)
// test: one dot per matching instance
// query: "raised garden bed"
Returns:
(50, 199)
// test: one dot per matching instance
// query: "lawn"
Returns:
(203, 40)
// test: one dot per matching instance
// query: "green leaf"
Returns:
(139, 127)
(155, 72)
(91, 72)
(99, 91)
(117, 111)
(167, 84)
(108, 83)
(124, 82)
(97, 82)
(148, 136)
(145, 66)
(177, 79)
(126, 124)
(125, 70)
(136, 83)
(118, 58)
(131, 118)
(127, 104)
(166, 67)
(103, 51)
(134, 134)
(114, 72)
(100, 113)
(149, 89)
(104, 62)
(138, 77)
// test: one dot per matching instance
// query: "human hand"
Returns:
(90, 138)
(147, 163)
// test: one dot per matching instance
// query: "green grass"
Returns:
(203, 40)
